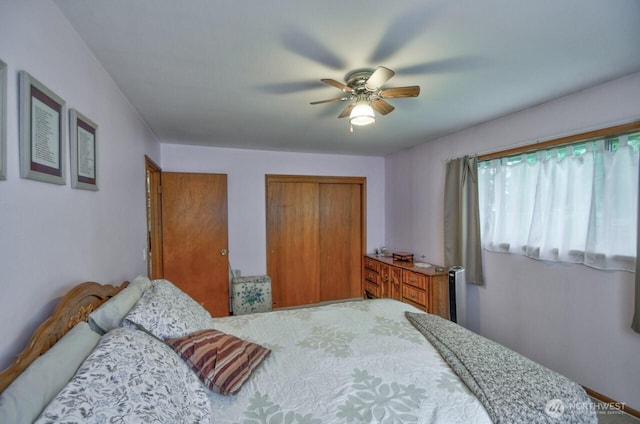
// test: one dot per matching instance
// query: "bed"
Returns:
(146, 349)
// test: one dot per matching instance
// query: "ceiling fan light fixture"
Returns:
(362, 114)
(366, 95)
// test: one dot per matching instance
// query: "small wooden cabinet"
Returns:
(424, 288)
(391, 280)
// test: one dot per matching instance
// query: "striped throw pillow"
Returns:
(221, 361)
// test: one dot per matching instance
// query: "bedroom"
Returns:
(52, 236)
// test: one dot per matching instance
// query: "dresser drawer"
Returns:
(414, 295)
(372, 289)
(372, 276)
(414, 279)
(372, 265)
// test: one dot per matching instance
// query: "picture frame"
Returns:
(42, 132)
(83, 146)
(3, 120)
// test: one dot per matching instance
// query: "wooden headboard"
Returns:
(74, 307)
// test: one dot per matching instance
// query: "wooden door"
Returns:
(315, 238)
(195, 237)
(154, 219)
(340, 240)
(293, 243)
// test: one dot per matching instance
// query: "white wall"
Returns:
(246, 171)
(571, 318)
(54, 237)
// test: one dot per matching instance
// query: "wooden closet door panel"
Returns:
(194, 236)
(340, 241)
(292, 243)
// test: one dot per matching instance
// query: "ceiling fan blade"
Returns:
(382, 107)
(330, 101)
(379, 77)
(337, 84)
(346, 111)
(404, 29)
(398, 92)
(289, 87)
(451, 64)
(302, 43)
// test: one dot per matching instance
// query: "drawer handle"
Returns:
(413, 280)
(413, 295)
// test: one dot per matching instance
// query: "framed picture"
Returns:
(3, 120)
(83, 136)
(42, 150)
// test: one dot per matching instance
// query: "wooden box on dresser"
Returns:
(424, 288)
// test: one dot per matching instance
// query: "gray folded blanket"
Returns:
(512, 388)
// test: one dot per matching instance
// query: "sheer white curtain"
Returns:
(572, 204)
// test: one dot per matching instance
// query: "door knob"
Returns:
(223, 252)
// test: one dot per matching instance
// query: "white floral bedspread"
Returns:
(354, 362)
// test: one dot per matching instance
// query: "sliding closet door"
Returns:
(195, 237)
(315, 238)
(292, 242)
(340, 241)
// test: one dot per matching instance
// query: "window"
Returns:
(572, 203)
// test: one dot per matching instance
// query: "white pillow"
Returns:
(28, 395)
(167, 312)
(131, 377)
(111, 313)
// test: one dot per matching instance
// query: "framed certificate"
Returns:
(42, 150)
(3, 120)
(83, 137)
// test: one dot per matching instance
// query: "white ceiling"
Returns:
(241, 73)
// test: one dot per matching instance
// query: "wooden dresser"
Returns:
(424, 288)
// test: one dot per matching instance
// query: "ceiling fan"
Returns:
(365, 94)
